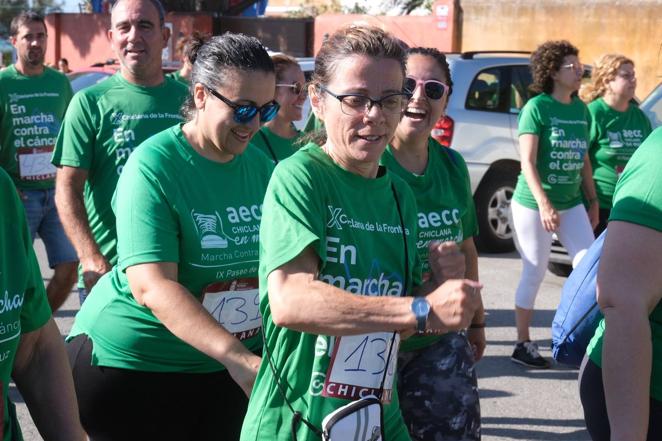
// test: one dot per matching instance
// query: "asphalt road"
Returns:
(516, 403)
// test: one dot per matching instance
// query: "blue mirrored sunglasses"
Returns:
(244, 113)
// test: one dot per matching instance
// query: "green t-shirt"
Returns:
(177, 76)
(169, 209)
(614, 138)
(275, 147)
(562, 131)
(353, 225)
(31, 112)
(103, 125)
(446, 210)
(23, 304)
(638, 200)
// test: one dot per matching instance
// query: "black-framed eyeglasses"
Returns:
(356, 103)
(296, 88)
(433, 89)
(244, 113)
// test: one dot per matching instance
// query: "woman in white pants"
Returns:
(553, 138)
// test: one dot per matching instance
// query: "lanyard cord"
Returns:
(296, 415)
(404, 288)
(266, 140)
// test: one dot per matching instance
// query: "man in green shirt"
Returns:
(33, 100)
(103, 126)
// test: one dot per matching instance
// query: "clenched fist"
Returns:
(453, 305)
(446, 261)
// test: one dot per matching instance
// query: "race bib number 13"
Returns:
(357, 366)
(235, 305)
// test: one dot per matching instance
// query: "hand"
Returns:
(594, 214)
(549, 217)
(446, 261)
(477, 342)
(243, 370)
(453, 306)
(93, 268)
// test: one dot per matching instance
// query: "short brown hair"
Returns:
(355, 40)
(281, 63)
(546, 61)
(23, 18)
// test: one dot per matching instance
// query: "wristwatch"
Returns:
(421, 308)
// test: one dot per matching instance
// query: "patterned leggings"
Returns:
(438, 391)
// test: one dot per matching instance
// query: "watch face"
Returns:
(421, 306)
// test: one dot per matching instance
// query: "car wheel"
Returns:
(559, 269)
(493, 210)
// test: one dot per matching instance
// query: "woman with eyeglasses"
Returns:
(556, 176)
(338, 261)
(618, 126)
(165, 347)
(277, 138)
(436, 374)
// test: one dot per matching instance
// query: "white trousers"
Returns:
(534, 245)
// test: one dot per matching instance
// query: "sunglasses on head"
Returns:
(433, 89)
(244, 113)
(296, 88)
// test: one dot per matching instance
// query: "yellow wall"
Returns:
(633, 28)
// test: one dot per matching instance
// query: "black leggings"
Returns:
(592, 395)
(126, 405)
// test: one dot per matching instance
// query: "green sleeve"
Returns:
(529, 120)
(75, 142)
(638, 195)
(296, 216)
(147, 226)
(35, 311)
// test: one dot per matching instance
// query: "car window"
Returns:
(81, 80)
(652, 107)
(486, 91)
(519, 89)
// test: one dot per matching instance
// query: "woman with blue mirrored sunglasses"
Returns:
(244, 113)
(189, 204)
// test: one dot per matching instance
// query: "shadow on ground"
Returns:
(501, 318)
(490, 429)
(501, 366)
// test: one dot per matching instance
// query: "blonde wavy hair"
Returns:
(604, 71)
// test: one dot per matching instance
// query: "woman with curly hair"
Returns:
(553, 138)
(618, 126)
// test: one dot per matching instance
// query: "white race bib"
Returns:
(235, 305)
(35, 164)
(357, 366)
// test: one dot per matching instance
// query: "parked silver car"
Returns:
(652, 106)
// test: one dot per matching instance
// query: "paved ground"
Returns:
(517, 404)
